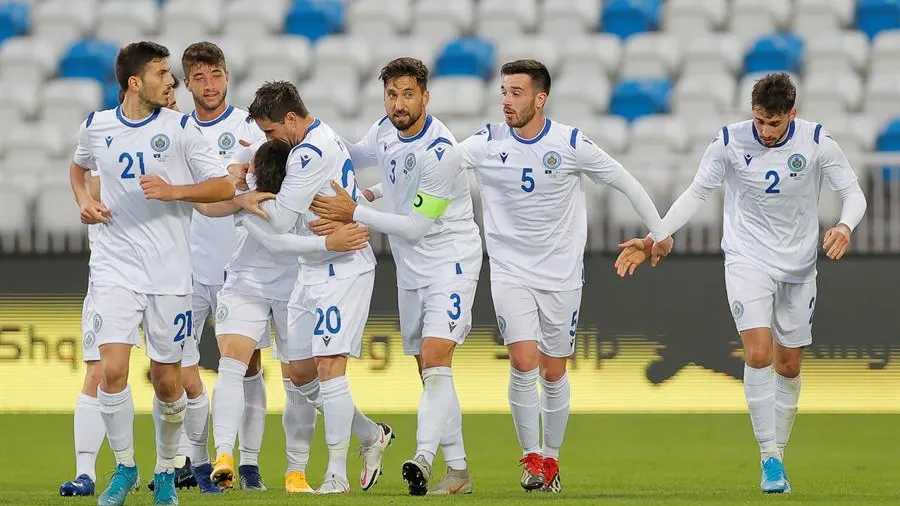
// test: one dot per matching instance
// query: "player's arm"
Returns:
(842, 179)
(345, 238)
(91, 210)
(474, 148)
(214, 183)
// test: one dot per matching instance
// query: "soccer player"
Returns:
(529, 172)
(772, 168)
(149, 158)
(330, 303)
(437, 247)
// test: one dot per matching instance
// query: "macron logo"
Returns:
(503, 156)
(304, 160)
(747, 159)
(439, 152)
(109, 140)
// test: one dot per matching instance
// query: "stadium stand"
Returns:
(651, 81)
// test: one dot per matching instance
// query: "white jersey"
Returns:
(321, 158)
(535, 218)
(213, 239)
(452, 246)
(145, 245)
(772, 194)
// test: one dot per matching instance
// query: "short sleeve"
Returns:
(201, 160)
(593, 161)
(365, 152)
(711, 173)
(83, 156)
(475, 148)
(306, 174)
(834, 164)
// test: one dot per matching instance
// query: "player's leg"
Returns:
(559, 323)
(253, 423)
(517, 318)
(168, 322)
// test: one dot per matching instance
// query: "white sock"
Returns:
(434, 410)
(253, 423)
(555, 397)
(89, 435)
(362, 426)
(299, 422)
(787, 393)
(196, 427)
(228, 404)
(524, 403)
(759, 389)
(338, 407)
(118, 418)
(185, 448)
(452, 443)
(168, 418)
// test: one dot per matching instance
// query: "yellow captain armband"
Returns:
(429, 206)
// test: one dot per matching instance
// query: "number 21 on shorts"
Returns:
(185, 324)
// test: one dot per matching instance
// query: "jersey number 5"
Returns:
(527, 180)
(128, 160)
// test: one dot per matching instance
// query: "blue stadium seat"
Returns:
(13, 20)
(780, 52)
(889, 140)
(91, 58)
(873, 16)
(110, 95)
(466, 56)
(634, 98)
(314, 18)
(628, 17)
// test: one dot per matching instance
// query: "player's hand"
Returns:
(338, 208)
(369, 195)
(323, 226)
(634, 253)
(661, 250)
(93, 212)
(157, 188)
(836, 241)
(250, 202)
(238, 173)
(347, 237)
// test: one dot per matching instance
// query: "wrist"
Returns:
(845, 227)
(648, 243)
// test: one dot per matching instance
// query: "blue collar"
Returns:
(534, 139)
(131, 124)
(790, 133)
(418, 135)
(227, 112)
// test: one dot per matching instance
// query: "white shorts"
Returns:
(90, 348)
(758, 301)
(117, 312)
(204, 304)
(328, 319)
(528, 314)
(442, 309)
(249, 316)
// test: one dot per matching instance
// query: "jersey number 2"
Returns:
(773, 175)
(128, 160)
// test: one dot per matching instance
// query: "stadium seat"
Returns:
(123, 21)
(242, 93)
(237, 56)
(58, 227)
(456, 95)
(18, 101)
(596, 54)
(633, 98)
(745, 88)
(846, 51)
(111, 95)
(536, 47)
(466, 56)
(29, 60)
(63, 21)
(885, 55)
(185, 100)
(701, 95)
(244, 19)
(356, 129)
(564, 19)
(830, 205)
(341, 57)
(200, 18)
(38, 140)
(371, 101)
(90, 58)
(702, 130)
(314, 18)
(579, 99)
(595, 207)
(686, 19)
(816, 17)
(624, 18)
(15, 228)
(875, 16)
(713, 54)
(13, 20)
(882, 97)
(781, 53)
(330, 98)
(67, 102)
(502, 19)
(830, 94)
(609, 132)
(463, 128)
(650, 55)
(624, 221)
(659, 134)
(423, 48)
(854, 133)
(751, 19)
(889, 141)
(280, 57)
(378, 20)
(442, 20)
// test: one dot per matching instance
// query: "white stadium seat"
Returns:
(609, 132)
(854, 133)
(595, 200)
(886, 53)
(125, 21)
(64, 21)
(372, 100)
(442, 20)
(456, 96)
(703, 95)
(376, 20)
(58, 227)
(329, 98)
(713, 54)
(838, 52)
(539, 48)
(597, 54)
(659, 134)
(280, 57)
(18, 100)
(237, 56)
(36, 166)
(242, 94)
(39, 139)
(342, 58)
(15, 227)
(650, 55)
(882, 96)
(701, 132)
(830, 94)
(502, 19)
(67, 102)
(463, 128)
(245, 20)
(753, 18)
(423, 48)
(579, 98)
(28, 60)
(687, 19)
(829, 206)
(564, 19)
(200, 18)
(814, 18)
(184, 100)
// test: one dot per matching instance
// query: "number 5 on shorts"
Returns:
(186, 322)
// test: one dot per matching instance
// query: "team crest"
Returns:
(501, 322)
(89, 339)
(410, 162)
(796, 162)
(737, 309)
(226, 141)
(97, 322)
(552, 160)
(160, 143)
(221, 314)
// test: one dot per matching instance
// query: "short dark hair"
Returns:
(174, 87)
(536, 70)
(775, 93)
(201, 53)
(274, 100)
(133, 59)
(269, 165)
(405, 67)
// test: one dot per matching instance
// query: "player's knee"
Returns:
(190, 379)
(757, 356)
(115, 374)
(255, 364)
(553, 374)
(92, 375)
(788, 367)
(523, 361)
(166, 379)
(331, 367)
(436, 353)
(302, 372)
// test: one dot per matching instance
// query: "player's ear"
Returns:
(793, 114)
(134, 83)
(425, 97)
(541, 100)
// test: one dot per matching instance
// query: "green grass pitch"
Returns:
(607, 460)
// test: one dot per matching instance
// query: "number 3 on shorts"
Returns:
(457, 308)
(185, 323)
